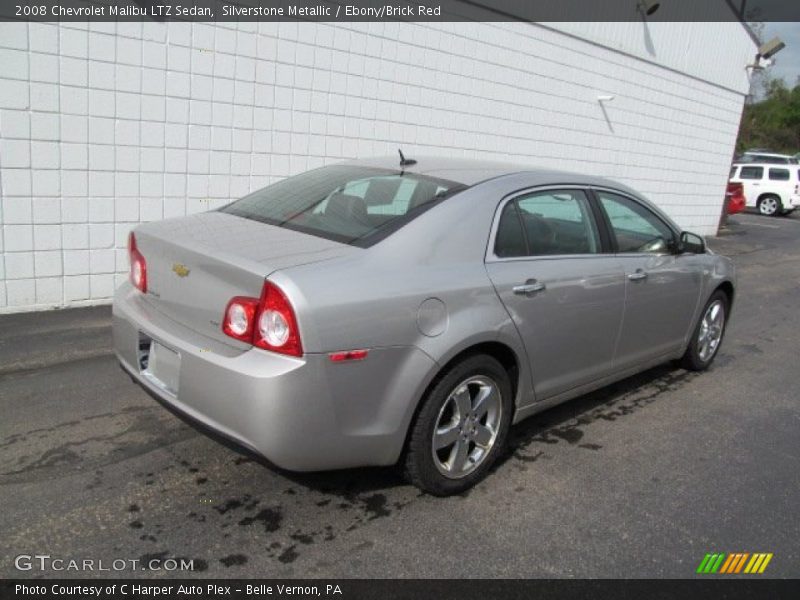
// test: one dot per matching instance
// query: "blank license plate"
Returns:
(163, 367)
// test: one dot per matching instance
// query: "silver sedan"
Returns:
(407, 312)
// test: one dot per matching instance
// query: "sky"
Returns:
(787, 61)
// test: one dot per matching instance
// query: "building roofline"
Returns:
(740, 17)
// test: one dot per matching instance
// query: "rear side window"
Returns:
(351, 204)
(733, 172)
(751, 173)
(547, 223)
(779, 174)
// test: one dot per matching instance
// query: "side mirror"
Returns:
(692, 243)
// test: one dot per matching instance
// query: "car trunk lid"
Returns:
(196, 264)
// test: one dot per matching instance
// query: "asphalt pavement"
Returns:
(640, 479)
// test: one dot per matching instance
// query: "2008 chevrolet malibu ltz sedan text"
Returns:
(376, 313)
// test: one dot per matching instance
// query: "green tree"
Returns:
(774, 121)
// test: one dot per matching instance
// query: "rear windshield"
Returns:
(351, 204)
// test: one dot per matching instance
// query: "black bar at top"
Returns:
(399, 10)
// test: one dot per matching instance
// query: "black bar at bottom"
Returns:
(705, 587)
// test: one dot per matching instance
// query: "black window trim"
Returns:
(515, 203)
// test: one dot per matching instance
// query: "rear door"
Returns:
(780, 183)
(563, 293)
(751, 178)
(662, 287)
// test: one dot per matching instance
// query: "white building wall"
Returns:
(105, 125)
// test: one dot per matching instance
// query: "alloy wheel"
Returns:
(711, 328)
(467, 427)
(768, 206)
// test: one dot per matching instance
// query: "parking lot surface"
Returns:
(640, 479)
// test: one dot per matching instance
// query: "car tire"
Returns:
(770, 205)
(480, 427)
(708, 334)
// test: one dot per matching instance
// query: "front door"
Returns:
(565, 296)
(662, 287)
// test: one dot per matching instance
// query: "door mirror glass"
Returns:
(693, 243)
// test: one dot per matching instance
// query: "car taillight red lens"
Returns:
(277, 328)
(268, 322)
(138, 274)
(736, 199)
(240, 318)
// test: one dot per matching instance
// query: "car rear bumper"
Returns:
(302, 414)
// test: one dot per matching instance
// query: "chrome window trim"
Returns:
(491, 257)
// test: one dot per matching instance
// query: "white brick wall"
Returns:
(106, 125)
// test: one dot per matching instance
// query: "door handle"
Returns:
(637, 275)
(529, 288)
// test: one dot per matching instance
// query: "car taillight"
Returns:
(277, 325)
(138, 274)
(240, 318)
(268, 322)
(736, 199)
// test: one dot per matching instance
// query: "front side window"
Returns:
(351, 204)
(779, 174)
(635, 227)
(547, 223)
(751, 173)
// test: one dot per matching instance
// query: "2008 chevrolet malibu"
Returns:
(382, 312)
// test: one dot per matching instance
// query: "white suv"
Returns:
(773, 189)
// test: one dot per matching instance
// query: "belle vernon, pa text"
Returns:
(184, 10)
(156, 590)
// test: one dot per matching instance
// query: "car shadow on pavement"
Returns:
(563, 423)
(566, 423)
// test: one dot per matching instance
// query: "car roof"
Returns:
(470, 172)
(771, 165)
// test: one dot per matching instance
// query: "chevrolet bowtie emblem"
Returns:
(180, 270)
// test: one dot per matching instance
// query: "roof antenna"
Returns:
(405, 162)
